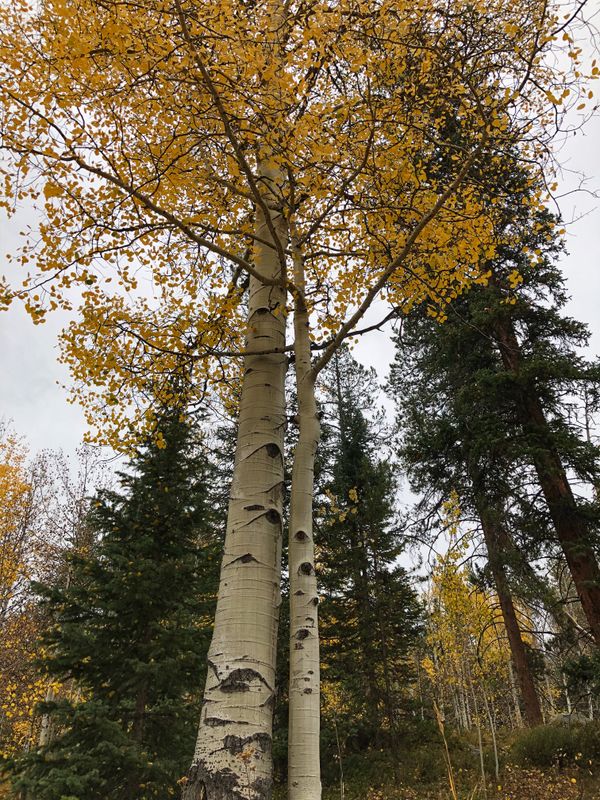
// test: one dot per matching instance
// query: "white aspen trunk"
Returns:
(462, 685)
(468, 715)
(420, 688)
(567, 695)
(46, 727)
(459, 711)
(232, 759)
(304, 780)
(551, 702)
(479, 742)
(492, 722)
(341, 760)
(515, 696)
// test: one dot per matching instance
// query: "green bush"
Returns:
(554, 745)
(588, 738)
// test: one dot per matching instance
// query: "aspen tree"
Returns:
(20, 688)
(173, 146)
(303, 736)
(466, 651)
(236, 718)
(14, 496)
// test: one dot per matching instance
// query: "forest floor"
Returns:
(546, 763)
(516, 783)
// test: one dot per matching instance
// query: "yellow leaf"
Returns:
(52, 190)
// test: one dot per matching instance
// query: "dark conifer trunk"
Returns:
(493, 536)
(571, 528)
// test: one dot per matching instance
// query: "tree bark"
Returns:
(304, 781)
(47, 729)
(232, 759)
(571, 528)
(529, 695)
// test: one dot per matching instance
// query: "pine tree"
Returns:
(132, 630)
(370, 613)
(460, 414)
(450, 443)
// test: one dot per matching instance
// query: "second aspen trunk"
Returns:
(304, 781)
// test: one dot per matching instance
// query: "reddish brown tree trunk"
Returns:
(493, 535)
(571, 528)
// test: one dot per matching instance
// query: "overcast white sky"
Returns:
(30, 374)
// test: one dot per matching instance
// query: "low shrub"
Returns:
(555, 745)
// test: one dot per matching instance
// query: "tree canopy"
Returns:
(139, 131)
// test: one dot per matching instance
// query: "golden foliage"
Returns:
(20, 687)
(469, 655)
(138, 133)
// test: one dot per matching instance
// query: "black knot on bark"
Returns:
(301, 536)
(237, 744)
(273, 516)
(245, 559)
(303, 633)
(273, 450)
(306, 568)
(255, 507)
(239, 680)
(307, 691)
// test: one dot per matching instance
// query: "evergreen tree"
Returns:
(370, 615)
(132, 630)
(463, 426)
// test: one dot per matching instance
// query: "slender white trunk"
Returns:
(479, 742)
(492, 722)
(567, 695)
(462, 690)
(457, 711)
(550, 695)
(304, 781)
(232, 759)
(341, 760)
(420, 688)
(47, 727)
(515, 696)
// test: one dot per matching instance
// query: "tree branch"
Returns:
(398, 261)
